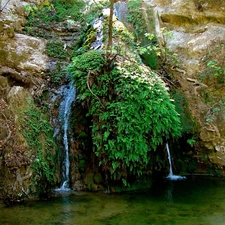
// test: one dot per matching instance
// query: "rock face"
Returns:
(15, 160)
(23, 64)
(25, 56)
(193, 34)
(22, 57)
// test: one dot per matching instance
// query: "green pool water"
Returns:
(195, 201)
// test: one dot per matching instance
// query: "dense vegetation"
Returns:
(128, 105)
(39, 136)
(130, 109)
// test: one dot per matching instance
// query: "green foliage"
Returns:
(147, 43)
(95, 10)
(57, 74)
(150, 50)
(132, 113)
(81, 165)
(31, 9)
(89, 61)
(55, 49)
(216, 70)
(47, 14)
(135, 17)
(130, 108)
(191, 142)
(216, 111)
(65, 8)
(55, 10)
(39, 136)
(181, 104)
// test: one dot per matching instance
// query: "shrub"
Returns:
(131, 115)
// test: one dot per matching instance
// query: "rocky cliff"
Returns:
(192, 33)
(33, 57)
(23, 66)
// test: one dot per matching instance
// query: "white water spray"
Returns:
(171, 176)
(69, 94)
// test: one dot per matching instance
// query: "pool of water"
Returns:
(195, 201)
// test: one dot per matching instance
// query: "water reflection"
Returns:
(198, 202)
(66, 210)
(169, 192)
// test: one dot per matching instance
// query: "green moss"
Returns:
(90, 38)
(97, 178)
(81, 165)
(3, 54)
(90, 181)
(181, 104)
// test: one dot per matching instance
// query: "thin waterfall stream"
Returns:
(69, 95)
(171, 176)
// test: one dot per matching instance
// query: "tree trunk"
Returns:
(109, 46)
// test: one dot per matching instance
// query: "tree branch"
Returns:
(88, 85)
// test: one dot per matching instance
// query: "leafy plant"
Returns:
(57, 74)
(181, 105)
(47, 14)
(147, 42)
(130, 109)
(216, 70)
(89, 61)
(149, 48)
(39, 136)
(191, 141)
(55, 49)
(216, 111)
(135, 17)
(131, 114)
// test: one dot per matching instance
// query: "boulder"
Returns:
(25, 56)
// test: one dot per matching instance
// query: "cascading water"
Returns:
(98, 25)
(121, 11)
(69, 95)
(171, 176)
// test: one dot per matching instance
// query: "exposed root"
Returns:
(178, 70)
(197, 83)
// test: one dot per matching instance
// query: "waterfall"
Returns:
(121, 11)
(98, 26)
(69, 94)
(171, 176)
